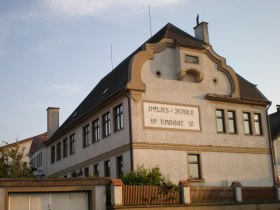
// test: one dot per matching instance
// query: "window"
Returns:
(96, 131)
(191, 59)
(86, 136)
(65, 148)
(96, 170)
(86, 172)
(194, 166)
(106, 120)
(72, 144)
(37, 162)
(257, 124)
(32, 163)
(231, 121)
(40, 159)
(58, 151)
(119, 167)
(220, 118)
(118, 117)
(247, 123)
(107, 168)
(53, 154)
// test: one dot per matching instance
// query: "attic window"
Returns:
(103, 93)
(191, 59)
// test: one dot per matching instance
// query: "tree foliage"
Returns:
(143, 176)
(12, 164)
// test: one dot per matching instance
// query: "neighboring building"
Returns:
(173, 103)
(38, 160)
(23, 144)
(274, 120)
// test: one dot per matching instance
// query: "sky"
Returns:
(54, 52)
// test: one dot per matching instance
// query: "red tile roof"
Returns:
(37, 141)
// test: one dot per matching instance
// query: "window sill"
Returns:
(94, 142)
(117, 130)
(196, 180)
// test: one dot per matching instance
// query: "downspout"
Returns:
(130, 133)
(271, 144)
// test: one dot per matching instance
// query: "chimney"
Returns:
(201, 31)
(52, 120)
(278, 108)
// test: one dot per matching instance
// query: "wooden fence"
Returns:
(257, 194)
(212, 194)
(149, 195)
(129, 195)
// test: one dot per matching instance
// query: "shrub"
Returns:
(143, 176)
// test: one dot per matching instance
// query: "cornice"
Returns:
(200, 148)
(228, 99)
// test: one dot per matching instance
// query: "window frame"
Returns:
(118, 118)
(119, 167)
(257, 123)
(222, 118)
(247, 121)
(65, 148)
(53, 154)
(106, 124)
(107, 168)
(58, 151)
(191, 59)
(40, 160)
(96, 170)
(233, 120)
(72, 140)
(86, 172)
(86, 136)
(95, 130)
(199, 168)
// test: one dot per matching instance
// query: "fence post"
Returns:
(237, 187)
(2, 198)
(277, 188)
(185, 192)
(116, 192)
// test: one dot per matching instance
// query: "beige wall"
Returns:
(218, 168)
(24, 144)
(234, 156)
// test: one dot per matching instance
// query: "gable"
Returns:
(127, 75)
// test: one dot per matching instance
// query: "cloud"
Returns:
(104, 7)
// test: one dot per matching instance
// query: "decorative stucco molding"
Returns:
(199, 75)
(222, 66)
(135, 84)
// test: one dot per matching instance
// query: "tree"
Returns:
(12, 164)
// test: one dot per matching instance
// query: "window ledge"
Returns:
(196, 180)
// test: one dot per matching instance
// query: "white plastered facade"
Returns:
(224, 157)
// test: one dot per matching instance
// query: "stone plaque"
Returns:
(171, 116)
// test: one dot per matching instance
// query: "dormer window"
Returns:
(191, 59)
